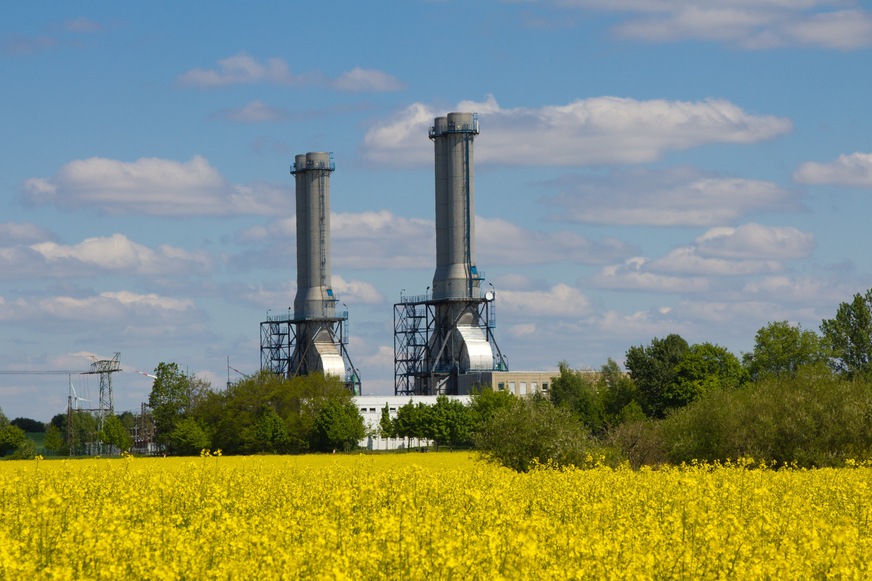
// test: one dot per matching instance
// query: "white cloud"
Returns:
(82, 24)
(356, 291)
(594, 131)
(117, 306)
(670, 197)
(854, 170)
(500, 242)
(632, 275)
(243, 69)
(750, 24)
(381, 239)
(149, 185)
(560, 300)
(754, 241)
(751, 249)
(360, 80)
(12, 233)
(240, 69)
(118, 253)
(254, 112)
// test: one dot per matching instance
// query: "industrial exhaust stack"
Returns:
(440, 337)
(313, 339)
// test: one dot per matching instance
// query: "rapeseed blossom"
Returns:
(426, 516)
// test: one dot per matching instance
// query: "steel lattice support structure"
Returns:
(283, 353)
(428, 355)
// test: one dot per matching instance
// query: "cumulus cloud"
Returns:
(633, 274)
(751, 249)
(357, 291)
(95, 256)
(12, 233)
(359, 80)
(854, 170)
(501, 242)
(154, 186)
(109, 305)
(243, 69)
(756, 241)
(594, 131)
(749, 24)
(664, 197)
(560, 300)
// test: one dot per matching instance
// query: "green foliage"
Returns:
(618, 394)
(653, 370)
(577, 392)
(450, 422)
(531, 430)
(29, 425)
(270, 433)
(188, 438)
(813, 418)
(267, 413)
(4, 421)
(338, 424)
(169, 399)
(485, 402)
(705, 367)
(670, 374)
(782, 349)
(54, 439)
(849, 336)
(386, 424)
(115, 434)
(11, 439)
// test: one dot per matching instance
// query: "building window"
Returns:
(523, 388)
(512, 386)
(545, 386)
(534, 386)
(501, 386)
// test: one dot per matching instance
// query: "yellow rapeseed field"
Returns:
(425, 516)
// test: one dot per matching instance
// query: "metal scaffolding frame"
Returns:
(419, 342)
(279, 336)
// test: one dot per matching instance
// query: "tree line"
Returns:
(798, 396)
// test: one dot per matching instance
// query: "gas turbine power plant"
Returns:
(443, 340)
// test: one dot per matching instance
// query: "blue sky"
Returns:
(644, 167)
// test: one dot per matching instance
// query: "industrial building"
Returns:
(314, 337)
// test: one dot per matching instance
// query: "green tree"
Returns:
(451, 422)
(4, 421)
(577, 392)
(169, 399)
(338, 425)
(619, 396)
(849, 336)
(11, 439)
(653, 370)
(115, 434)
(530, 430)
(704, 367)
(485, 401)
(270, 432)
(29, 425)
(54, 439)
(782, 349)
(386, 423)
(188, 437)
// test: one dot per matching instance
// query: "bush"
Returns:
(813, 419)
(531, 430)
